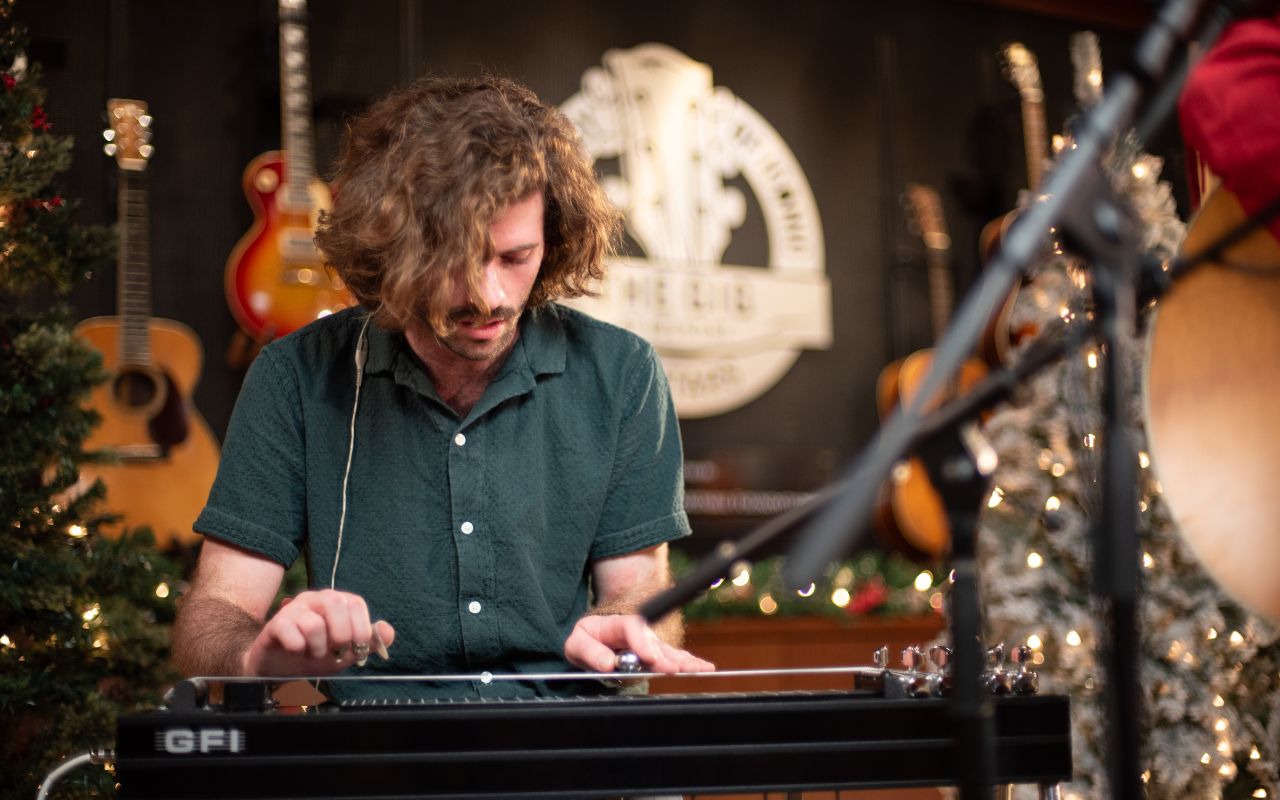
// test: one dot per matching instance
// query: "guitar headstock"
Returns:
(1021, 69)
(129, 134)
(1086, 60)
(925, 208)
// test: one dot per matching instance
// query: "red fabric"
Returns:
(1230, 112)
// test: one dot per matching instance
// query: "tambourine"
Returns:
(1212, 406)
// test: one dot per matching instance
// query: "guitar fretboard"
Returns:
(295, 105)
(133, 284)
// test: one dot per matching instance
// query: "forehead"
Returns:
(519, 224)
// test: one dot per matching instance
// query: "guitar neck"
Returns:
(1034, 131)
(941, 293)
(295, 103)
(133, 282)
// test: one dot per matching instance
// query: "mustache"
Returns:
(473, 312)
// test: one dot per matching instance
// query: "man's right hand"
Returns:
(316, 633)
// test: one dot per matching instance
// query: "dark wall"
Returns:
(868, 96)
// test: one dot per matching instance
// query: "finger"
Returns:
(383, 636)
(361, 629)
(686, 661)
(583, 649)
(337, 617)
(315, 630)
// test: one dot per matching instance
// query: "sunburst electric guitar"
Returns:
(276, 280)
(167, 456)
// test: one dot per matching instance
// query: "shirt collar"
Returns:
(540, 350)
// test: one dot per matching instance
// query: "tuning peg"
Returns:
(110, 148)
(109, 134)
(912, 658)
(146, 150)
(941, 657)
(1025, 681)
(995, 656)
(145, 120)
(881, 657)
(997, 679)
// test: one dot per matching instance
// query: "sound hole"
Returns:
(135, 389)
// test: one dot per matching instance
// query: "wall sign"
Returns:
(726, 333)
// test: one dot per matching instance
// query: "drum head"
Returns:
(1212, 402)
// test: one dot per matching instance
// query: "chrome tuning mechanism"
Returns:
(997, 679)
(916, 681)
(941, 658)
(1025, 680)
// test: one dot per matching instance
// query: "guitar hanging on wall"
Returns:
(167, 456)
(1020, 67)
(913, 517)
(276, 280)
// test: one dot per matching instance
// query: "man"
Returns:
(491, 477)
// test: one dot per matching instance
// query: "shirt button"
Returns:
(474, 606)
(467, 527)
(459, 440)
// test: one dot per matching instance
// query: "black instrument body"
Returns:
(581, 748)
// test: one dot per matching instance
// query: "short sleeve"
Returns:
(258, 500)
(645, 501)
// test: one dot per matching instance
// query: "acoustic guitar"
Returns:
(166, 454)
(1210, 388)
(276, 280)
(915, 515)
(1021, 68)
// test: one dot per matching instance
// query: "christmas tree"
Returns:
(1209, 669)
(82, 618)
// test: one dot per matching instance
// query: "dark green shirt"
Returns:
(473, 537)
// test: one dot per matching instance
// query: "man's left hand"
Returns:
(598, 638)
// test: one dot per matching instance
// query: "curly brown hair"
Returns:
(423, 172)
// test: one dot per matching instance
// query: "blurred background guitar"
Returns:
(276, 280)
(912, 517)
(1021, 68)
(167, 453)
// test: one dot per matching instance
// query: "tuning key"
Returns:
(997, 679)
(1025, 680)
(881, 657)
(912, 658)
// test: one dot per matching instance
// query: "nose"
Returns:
(492, 292)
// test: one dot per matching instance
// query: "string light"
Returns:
(1259, 793)
(1146, 776)
(1089, 440)
(1218, 702)
(1206, 759)
(840, 597)
(1034, 560)
(742, 578)
(6, 642)
(1224, 748)
(1213, 634)
(718, 583)
(1236, 639)
(997, 495)
(1148, 561)
(1073, 638)
(1227, 770)
(808, 590)
(1221, 725)
(935, 601)
(924, 581)
(1144, 460)
(1053, 503)
(162, 590)
(91, 612)
(1092, 359)
(1254, 755)
(768, 605)
(77, 532)
(1139, 170)
(1034, 642)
